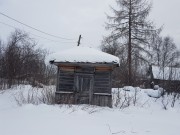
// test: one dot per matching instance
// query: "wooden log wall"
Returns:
(102, 82)
(65, 98)
(66, 79)
(102, 100)
(102, 78)
(65, 92)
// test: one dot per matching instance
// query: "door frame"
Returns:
(91, 85)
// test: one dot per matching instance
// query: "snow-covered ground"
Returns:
(145, 118)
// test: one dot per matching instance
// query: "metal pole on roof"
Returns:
(79, 41)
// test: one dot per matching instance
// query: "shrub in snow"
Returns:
(165, 102)
(47, 95)
(35, 96)
(125, 97)
(170, 100)
(26, 97)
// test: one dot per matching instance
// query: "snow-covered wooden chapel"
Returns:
(84, 76)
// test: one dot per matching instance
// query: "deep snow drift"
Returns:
(145, 118)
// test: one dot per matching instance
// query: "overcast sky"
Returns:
(69, 18)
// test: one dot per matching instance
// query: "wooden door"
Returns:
(84, 89)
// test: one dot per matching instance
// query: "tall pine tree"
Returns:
(130, 26)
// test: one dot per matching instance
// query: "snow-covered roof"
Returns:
(170, 73)
(85, 55)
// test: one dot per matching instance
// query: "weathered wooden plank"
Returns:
(102, 90)
(66, 76)
(68, 90)
(101, 79)
(68, 69)
(57, 76)
(102, 73)
(66, 73)
(66, 81)
(66, 85)
(101, 87)
(66, 66)
(65, 98)
(102, 69)
(85, 69)
(62, 71)
(65, 89)
(64, 92)
(102, 100)
(103, 94)
(110, 80)
(101, 84)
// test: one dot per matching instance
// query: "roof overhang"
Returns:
(113, 65)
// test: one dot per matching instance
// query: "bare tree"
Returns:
(111, 47)
(119, 76)
(166, 56)
(130, 27)
(165, 52)
(24, 62)
(115, 48)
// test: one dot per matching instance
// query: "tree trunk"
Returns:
(129, 47)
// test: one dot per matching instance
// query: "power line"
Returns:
(51, 39)
(35, 28)
(35, 34)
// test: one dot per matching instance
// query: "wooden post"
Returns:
(79, 41)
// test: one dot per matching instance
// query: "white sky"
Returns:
(69, 18)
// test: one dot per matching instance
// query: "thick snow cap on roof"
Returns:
(170, 73)
(85, 55)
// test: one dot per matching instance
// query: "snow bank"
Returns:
(154, 93)
(131, 89)
(84, 54)
(146, 92)
(87, 120)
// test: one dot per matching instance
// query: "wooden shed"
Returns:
(84, 76)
